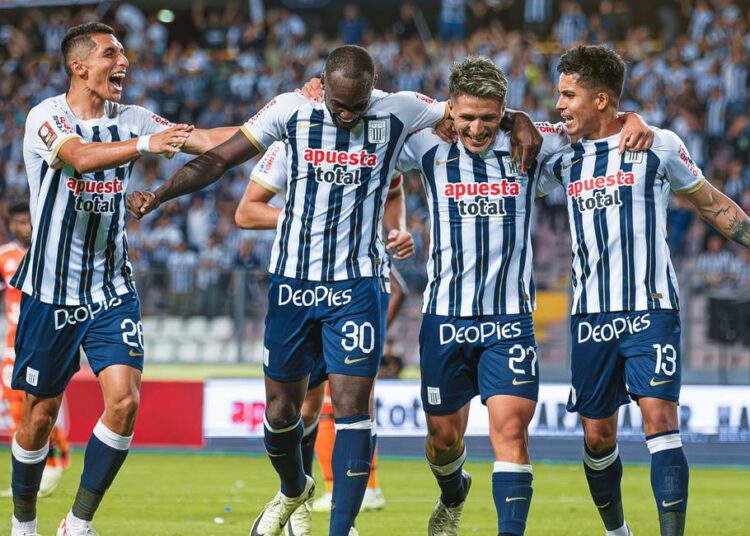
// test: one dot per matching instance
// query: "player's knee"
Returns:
(348, 404)
(310, 414)
(510, 430)
(444, 439)
(40, 423)
(600, 439)
(124, 409)
(280, 415)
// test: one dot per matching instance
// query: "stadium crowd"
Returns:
(688, 74)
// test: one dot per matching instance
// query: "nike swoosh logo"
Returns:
(303, 125)
(666, 504)
(572, 163)
(348, 361)
(350, 473)
(654, 383)
(516, 381)
(135, 353)
(511, 499)
(604, 505)
(443, 162)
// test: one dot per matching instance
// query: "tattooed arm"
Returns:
(721, 212)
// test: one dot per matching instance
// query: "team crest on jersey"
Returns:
(47, 135)
(377, 131)
(633, 157)
(512, 169)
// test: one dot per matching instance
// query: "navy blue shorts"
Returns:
(342, 321)
(50, 337)
(616, 356)
(487, 355)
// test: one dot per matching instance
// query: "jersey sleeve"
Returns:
(269, 124)
(47, 129)
(408, 158)
(419, 111)
(554, 138)
(270, 171)
(150, 123)
(683, 174)
(548, 178)
(397, 182)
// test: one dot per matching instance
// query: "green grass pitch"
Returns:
(164, 494)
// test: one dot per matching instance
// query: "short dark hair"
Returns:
(19, 207)
(80, 35)
(351, 61)
(597, 67)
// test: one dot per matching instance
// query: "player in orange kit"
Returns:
(11, 254)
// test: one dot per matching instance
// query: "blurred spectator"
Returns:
(391, 364)
(182, 264)
(716, 264)
(452, 20)
(353, 26)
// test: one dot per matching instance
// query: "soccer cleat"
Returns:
(372, 501)
(276, 513)
(79, 527)
(300, 522)
(23, 529)
(444, 520)
(323, 504)
(50, 479)
(353, 532)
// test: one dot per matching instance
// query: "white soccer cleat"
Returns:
(276, 513)
(373, 500)
(353, 532)
(323, 504)
(23, 529)
(50, 479)
(75, 527)
(300, 522)
(444, 520)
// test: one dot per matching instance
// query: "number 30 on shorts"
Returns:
(360, 336)
(518, 354)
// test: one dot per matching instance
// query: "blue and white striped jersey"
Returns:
(481, 207)
(617, 206)
(337, 180)
(78, 252)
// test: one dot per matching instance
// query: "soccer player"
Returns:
(76, 280)
(328, 263)
(626, 326)
(477, 334)
(11, 255)
(257, 210)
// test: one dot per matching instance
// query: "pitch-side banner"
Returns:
(234, 408)
(38, 3)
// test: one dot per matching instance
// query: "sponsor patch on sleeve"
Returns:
(47, 135)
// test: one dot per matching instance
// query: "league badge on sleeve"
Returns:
(377, 131)
(47, 135)
(512, 168)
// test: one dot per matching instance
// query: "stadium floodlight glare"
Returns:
(165, 15)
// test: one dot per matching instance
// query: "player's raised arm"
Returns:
(195, 175)
(721, 212)
(202, 140)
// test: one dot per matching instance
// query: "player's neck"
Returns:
(608, 125)
(83, 102)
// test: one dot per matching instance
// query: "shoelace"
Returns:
(272, 512)
(446, 517)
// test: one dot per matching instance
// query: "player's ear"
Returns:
(602, 100)
(323, 79)
(78, 68)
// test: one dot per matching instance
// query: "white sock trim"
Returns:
(599, 464)
(373, 428)
(450, 468)
(665, 442)
(29, 457)
(111, 439)
(311, 428)
(280, 430)
(622, 531)
(508, 467)
(364, 424)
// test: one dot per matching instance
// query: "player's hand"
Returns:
(446, 130)
(313, 89)
(171, 140)
(401, 244)
(141, 203)
(526, 140)
(636, 134)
